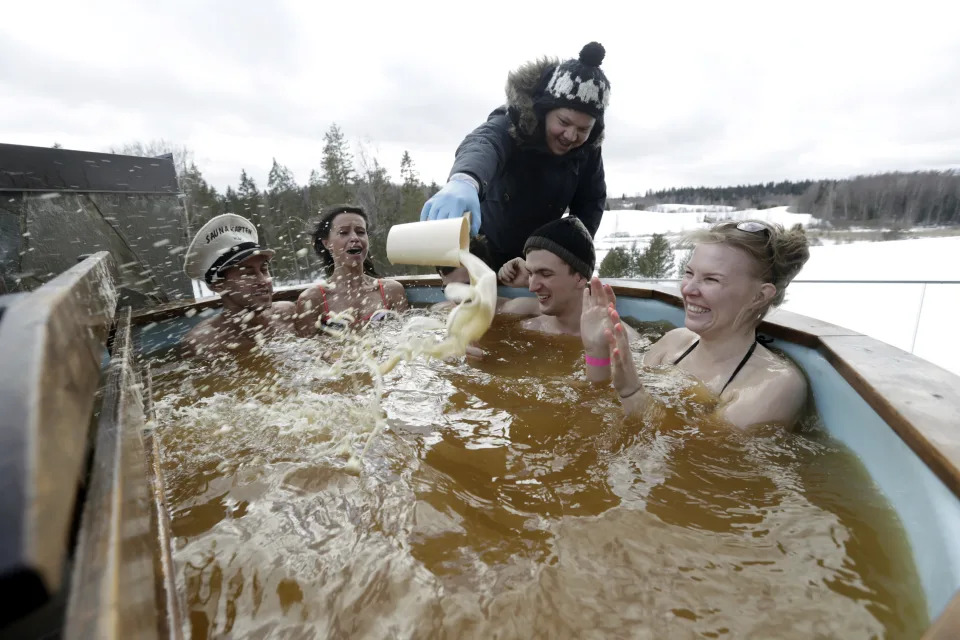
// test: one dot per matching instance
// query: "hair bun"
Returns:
(592, 54)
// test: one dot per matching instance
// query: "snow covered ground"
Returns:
(913, 317)
(622, 228)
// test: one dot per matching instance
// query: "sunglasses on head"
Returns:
(753, 227)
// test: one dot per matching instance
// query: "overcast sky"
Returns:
(710, 93)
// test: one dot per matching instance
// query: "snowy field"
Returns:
(913, 317)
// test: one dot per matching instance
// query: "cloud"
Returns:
(708, 95)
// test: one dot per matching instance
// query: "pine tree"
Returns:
(286, 218)
(636, 257)
(382, 200)
(412, 192)
(684, 261)
(251, 206)
(201, 201)
(279, 179)
(232, 201)
(338, 174)
(657, 259)
(616, 264)
(408, 173)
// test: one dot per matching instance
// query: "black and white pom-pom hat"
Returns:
(578, 84)
(222, 243)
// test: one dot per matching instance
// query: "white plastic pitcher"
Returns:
(429, 242)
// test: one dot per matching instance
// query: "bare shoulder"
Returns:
(392, 286)
(523, 306)
(774, 393)
(310, 306)
(311, 294)
(784, 375)
(283, 306)
(283, 312)
(669, 344)
(201, 337)
(395, 294)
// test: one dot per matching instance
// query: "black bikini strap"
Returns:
(686, 353)
(740, 366)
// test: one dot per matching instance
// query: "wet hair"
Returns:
(478, 247)
(777, 253)
(322, 232)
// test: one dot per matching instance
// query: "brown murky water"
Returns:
(509, 499)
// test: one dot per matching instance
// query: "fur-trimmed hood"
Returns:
(524, 85)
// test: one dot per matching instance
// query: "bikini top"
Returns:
(325, 317)
(735, 371)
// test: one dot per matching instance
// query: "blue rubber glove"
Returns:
(456, 197)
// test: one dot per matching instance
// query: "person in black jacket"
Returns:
(534, 158)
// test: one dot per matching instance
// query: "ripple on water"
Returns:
(507, 498)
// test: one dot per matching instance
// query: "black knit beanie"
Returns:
(568, 239)
(578, 84)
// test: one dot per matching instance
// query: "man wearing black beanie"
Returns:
(559, 262)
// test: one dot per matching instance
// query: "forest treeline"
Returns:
(285, 211)
(897, 198)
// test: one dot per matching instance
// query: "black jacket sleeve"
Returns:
(591, 194)
(484, 152)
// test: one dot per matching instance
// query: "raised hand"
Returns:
(597, 299)
(625, 378)
(514, 273)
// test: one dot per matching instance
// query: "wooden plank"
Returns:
(167, 598)
(919, 400)
(113, 586)
(947, 624)
(51, 347)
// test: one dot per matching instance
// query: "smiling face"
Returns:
(247, 285)
(557, 286)
(347, 241)
(567, 129)
(721, 291)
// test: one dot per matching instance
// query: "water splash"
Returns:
(467, 322)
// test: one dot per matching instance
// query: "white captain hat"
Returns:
(222, 243)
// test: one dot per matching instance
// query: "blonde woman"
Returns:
(738, 272)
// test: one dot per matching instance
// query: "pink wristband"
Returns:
(597, 362)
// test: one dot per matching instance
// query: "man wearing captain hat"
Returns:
(227, 255)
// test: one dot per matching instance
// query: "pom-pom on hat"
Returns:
(568, 239)
(222, 243)
(579, 84)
